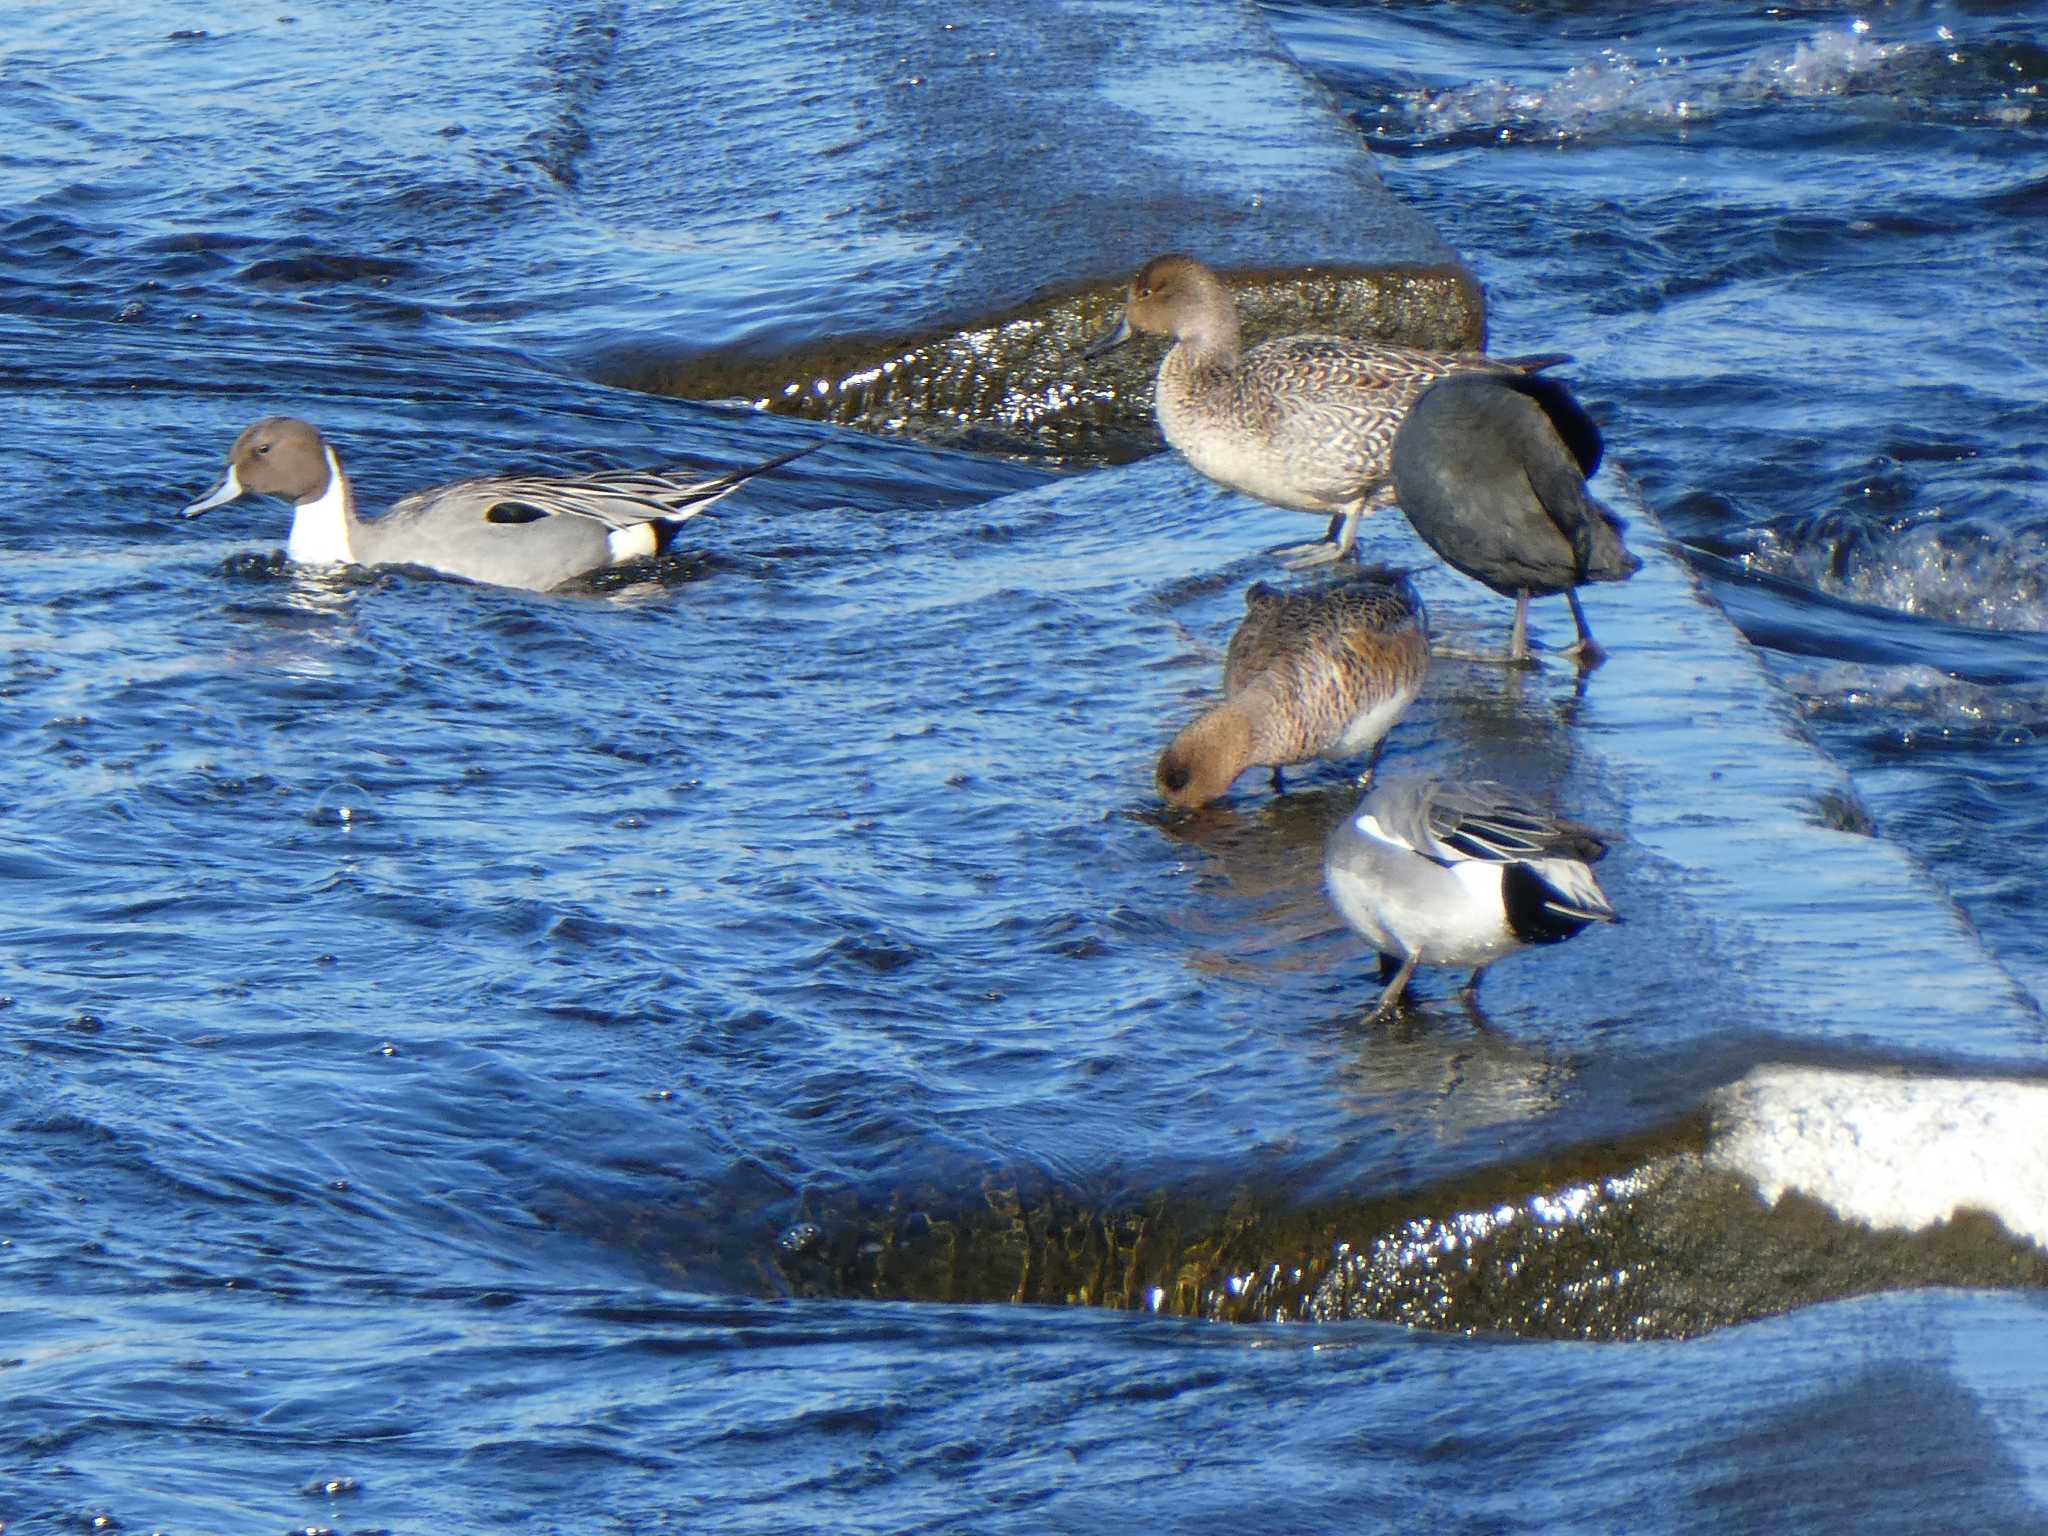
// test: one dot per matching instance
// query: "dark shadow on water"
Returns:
(1913, 1451)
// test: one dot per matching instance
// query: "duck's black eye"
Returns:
(1144, 293)
(262, 449)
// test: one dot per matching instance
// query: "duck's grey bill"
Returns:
(1110, 340)
(229, 488)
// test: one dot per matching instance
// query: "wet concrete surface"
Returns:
(990, 180)
(1610, 1103)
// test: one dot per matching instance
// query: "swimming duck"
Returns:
(1491, 470)
(1300, 421)
(1311, 674)
(532, 531)
(1435, 872)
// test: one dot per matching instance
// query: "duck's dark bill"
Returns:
(1111, 339)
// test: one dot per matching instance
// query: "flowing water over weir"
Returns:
(1092, 136)
(489, 1061)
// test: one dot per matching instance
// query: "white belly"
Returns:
(1362, 733)
(1414, 907)
(1230, 454)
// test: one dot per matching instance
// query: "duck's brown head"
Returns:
(277, 456)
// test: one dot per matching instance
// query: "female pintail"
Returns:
(1308, 674)
(1459, 874)
(532, 531)
(1301, 421)
(1491, 470)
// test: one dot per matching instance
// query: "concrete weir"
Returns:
(1014, 168)
(1752, 1120)
(1016, 163)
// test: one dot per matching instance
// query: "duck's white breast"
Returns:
(1407, 904)
(1201, 418)
(319, 533)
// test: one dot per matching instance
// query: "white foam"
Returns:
(1891, 1150)
(1925, 699)
(1956, 572)
(1614, 90)
(1830, 63)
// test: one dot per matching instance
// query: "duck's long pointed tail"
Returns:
(679, 501)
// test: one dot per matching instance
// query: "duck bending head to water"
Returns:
(1305, 422)
(1323, 673)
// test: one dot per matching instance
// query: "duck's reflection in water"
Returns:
(1435, 1066)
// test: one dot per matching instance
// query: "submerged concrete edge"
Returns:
(987, 182)
(1017, 382)
(1297, 240)
(1773, 1190)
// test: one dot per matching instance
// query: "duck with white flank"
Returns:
(532, 531)
(1491, 470)
(1459, 874)
(1300, 421)
(1308, 674)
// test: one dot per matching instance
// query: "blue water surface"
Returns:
(427, 1008)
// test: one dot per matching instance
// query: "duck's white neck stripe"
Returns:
(320, 526)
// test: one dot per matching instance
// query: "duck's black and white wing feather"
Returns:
(619, 498)
(1546, 882)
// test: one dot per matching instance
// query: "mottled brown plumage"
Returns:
(1306, 422)
(1320, 673)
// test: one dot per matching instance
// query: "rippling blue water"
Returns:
(425, 1007)
(1799, 253)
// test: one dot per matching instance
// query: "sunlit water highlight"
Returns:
(431, 1011)
(1799, 255)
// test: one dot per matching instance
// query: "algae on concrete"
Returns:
(983, 185)
(1639, 1240)
(1017, 383)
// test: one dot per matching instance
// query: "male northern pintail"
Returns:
(1458, 874)
(1308, 674)
(1491, 469)
(532, 531)
(1300, 421)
